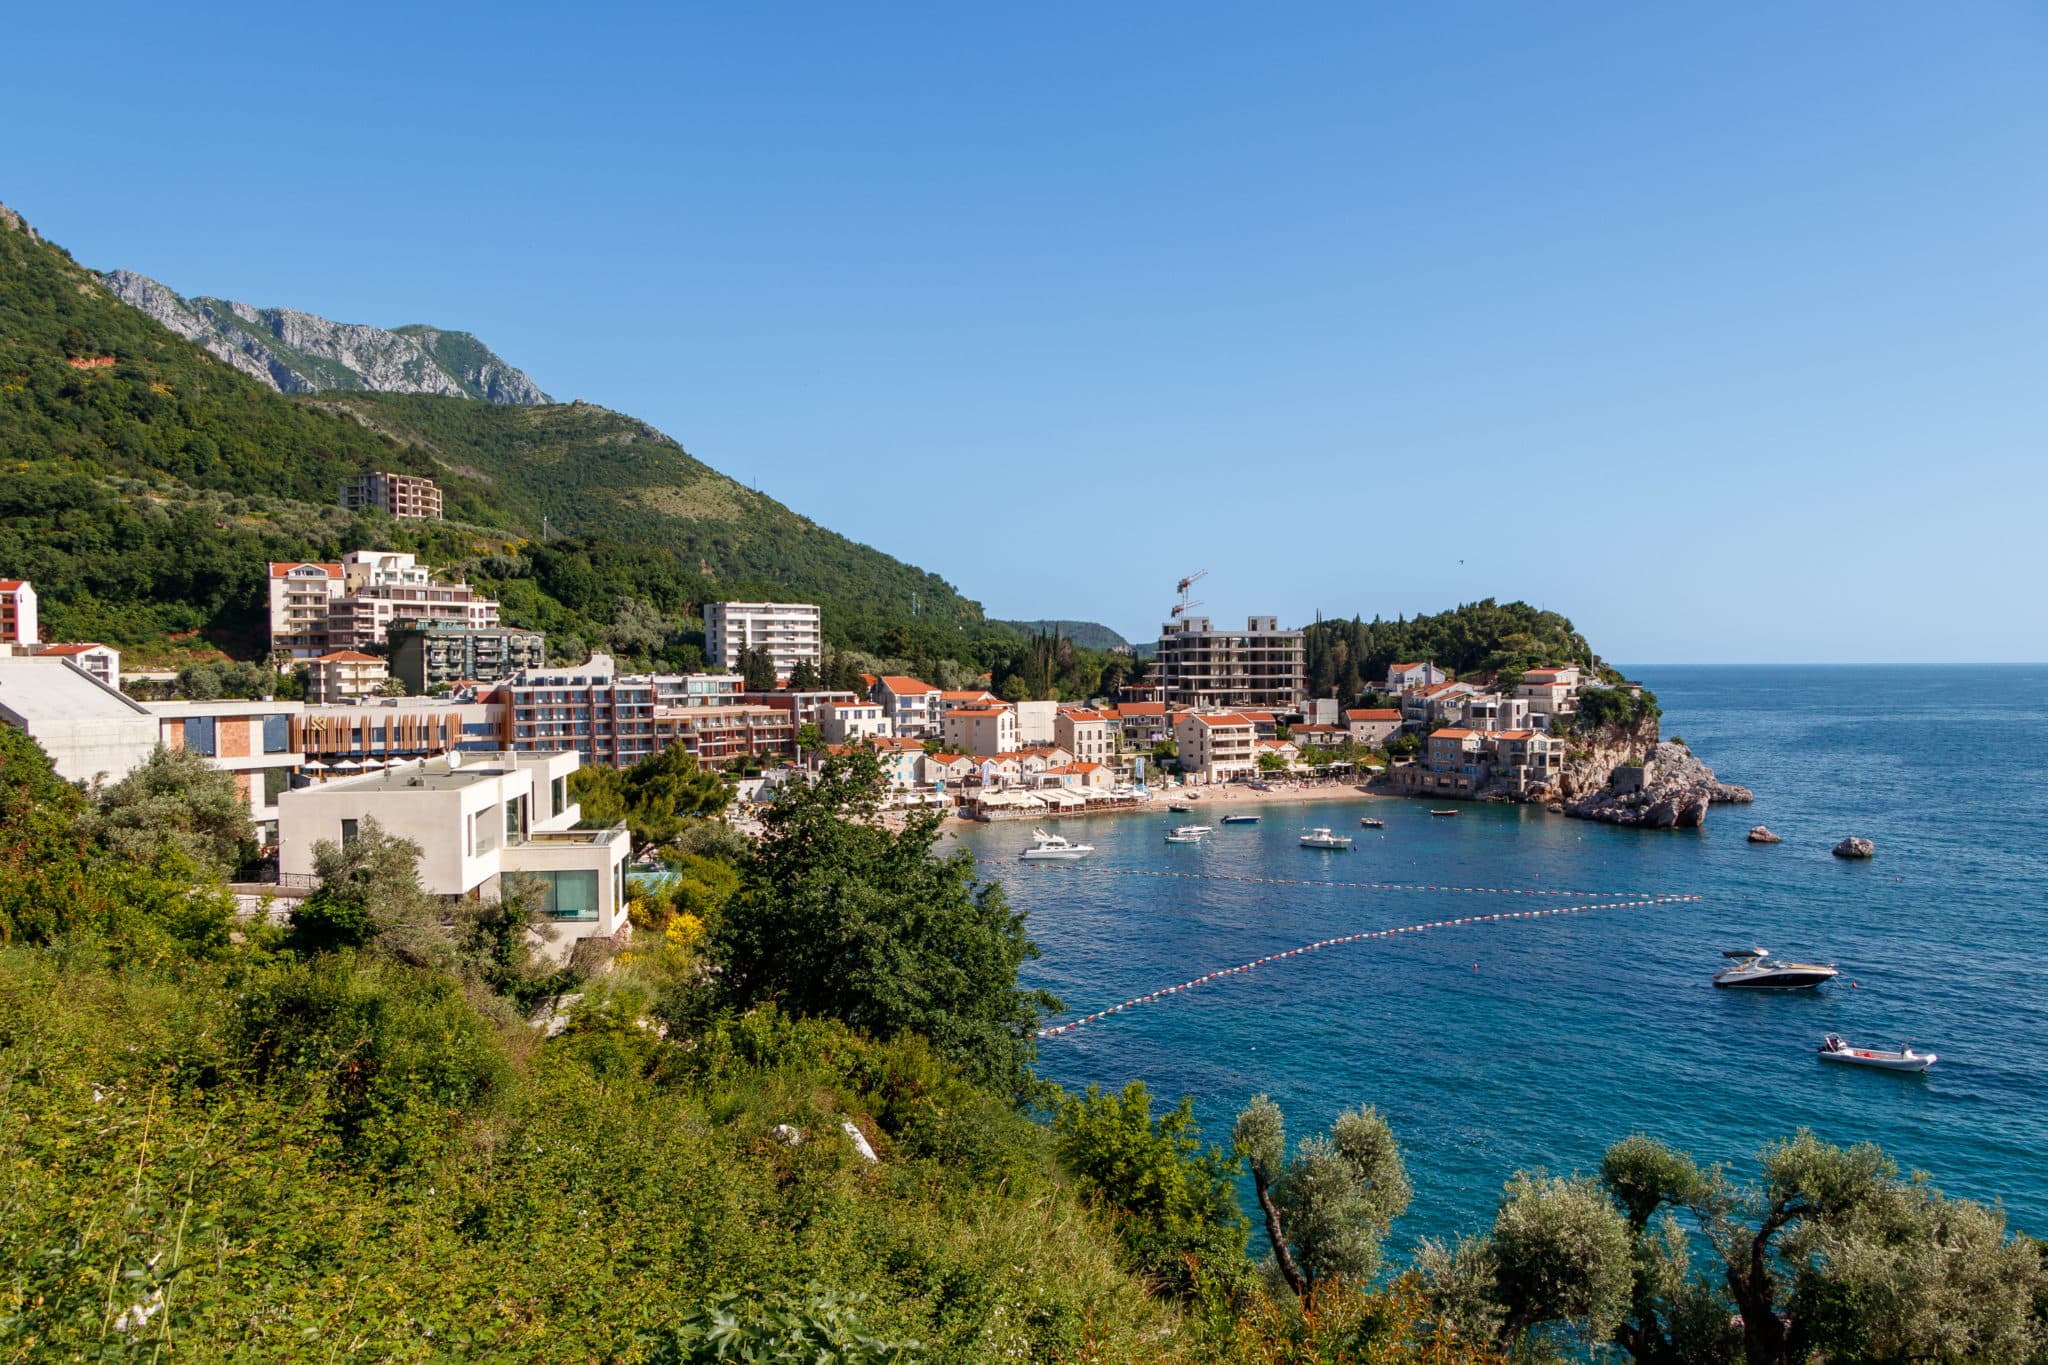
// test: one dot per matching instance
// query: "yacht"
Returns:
(1186, 834)
(1051, 847)
(1323, 837)
(1754, 969)
(1240, 819)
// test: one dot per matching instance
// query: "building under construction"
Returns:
(1261, 667)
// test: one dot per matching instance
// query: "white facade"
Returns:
(18, 624)
(913, 705)
(480, 821)
(1036, 723)
(845, 721)
(88, 729)
(1085, 734)
(101, 661)
(790, 633)
(981, 730)
(1215, 747)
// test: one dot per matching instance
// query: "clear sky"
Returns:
(1722, 328)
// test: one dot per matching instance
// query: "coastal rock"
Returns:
(1667, 788)
(1853, 847)
(1728, 794)
(1761, 834)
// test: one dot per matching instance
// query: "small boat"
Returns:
(1905, 1059)
(1052, 848)
(1186, 834)
(1756, 970)
(1323, 837)
(1240, 819)
(1372, 822)
(1179, 808)
(1443, 812)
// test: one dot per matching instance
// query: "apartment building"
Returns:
(789, 632)
(808, 707)
(343, 673)
(607, 719)
(698, 689)
(1372, 725)
(980, 730)
(911, 705)
(101, 661)
(486, 824)
(1260, 666)
(1085, 733)
(253, 740)
(319, 607)
(300, 595)
(718, 735)
(842, 722)
(432, 653)
(1216, 746)
(1551, 693)
(1401, 677)
(18, 625)
(408, 497)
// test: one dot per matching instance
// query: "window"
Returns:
(276, 734)
(483, 834)
(199, 735)
(348, 833)
(515, 819)
(561, 795)
(567, 895)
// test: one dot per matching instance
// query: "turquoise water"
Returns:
(1538, 1042)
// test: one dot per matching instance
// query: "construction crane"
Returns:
(1186, 603)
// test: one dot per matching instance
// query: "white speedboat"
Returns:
(1240, 819)
(1324, 837)
(1371, 822)
(1186, 834)
(1052, 848)
(1755, 969)
(1905, 1059)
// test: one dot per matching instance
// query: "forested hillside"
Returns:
(1349, 658)
(146, 483)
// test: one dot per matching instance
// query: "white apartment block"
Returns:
(101, 661)
(1086, 734)
(790, 633)
(1216, 746)
(980, 730)
(912, 705)
(485, 823)
(319, 607)
(343, 673)
(842, 722)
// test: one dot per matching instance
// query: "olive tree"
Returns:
(1327, 1210)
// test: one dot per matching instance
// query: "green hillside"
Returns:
(143, 484)
(1086, 634)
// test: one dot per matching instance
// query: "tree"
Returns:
(1270, 762)
(809, 739)
(655, 798)
(1562, 1254)
(805, 677)
(369, 893)
(1329, 1209)
(841, 917)
(176, 804)
(1172, 1203)
(757, 670)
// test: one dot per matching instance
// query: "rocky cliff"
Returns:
(1674, 793)
(296, 352)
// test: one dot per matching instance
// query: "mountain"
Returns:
(296, 352)
(1084, 634)
(144, 483)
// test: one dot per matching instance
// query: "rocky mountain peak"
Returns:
(296, 352)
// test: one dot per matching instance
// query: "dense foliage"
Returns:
(1349, 659)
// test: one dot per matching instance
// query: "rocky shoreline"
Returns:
(1668, 789)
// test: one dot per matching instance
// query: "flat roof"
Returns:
(53, 689)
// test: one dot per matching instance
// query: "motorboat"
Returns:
(1052, 848)
(1240, 819)
(1905, 1059)
(1443, 812)
(1179, 807)
(1371, 822)
(1754, 969)
(1186, 834)
(1324, 837)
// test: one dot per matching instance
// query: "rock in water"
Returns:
(1675, 793)
(1853, 847)
(1761, 834)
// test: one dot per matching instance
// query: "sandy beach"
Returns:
(1222, 798)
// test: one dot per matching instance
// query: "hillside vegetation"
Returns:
(144, 487)
(1348, 659)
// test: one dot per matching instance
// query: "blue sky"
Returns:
(1719, 327)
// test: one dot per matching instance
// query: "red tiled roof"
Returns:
(69, 649)
(1143, 708)
(1084, 714)
(1227, 720)
(903, 686)
(1273, 744)
(977, 694)
(348, 656)
(279, 569)
(977, 711)
(12, 584)
(1403, 668)
(1514, 734)
(1454, 732)
(1372, 713)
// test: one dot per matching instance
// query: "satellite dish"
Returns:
(454, 760)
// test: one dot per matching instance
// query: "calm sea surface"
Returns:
(1536, 1043)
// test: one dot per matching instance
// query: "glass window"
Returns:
(567, 895)
(277, 737)
(561, 792)
(199, 735)
(515, 819)
(348, 833)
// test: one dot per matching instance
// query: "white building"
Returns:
(1401, 677)
(980, 730)
(88, 729)
(1035, 723)
(1216, 746)
(484, 823)
(911, 704)
(789, 632)
(343, 673)
(101, 661)
(18, 624)
(842, 722)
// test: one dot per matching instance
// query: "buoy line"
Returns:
(1501, 915)
(1070, 869)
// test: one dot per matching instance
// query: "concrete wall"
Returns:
(1036, 723)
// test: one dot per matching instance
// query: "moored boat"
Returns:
(1324, 837)
(1186, 834)
(1443, 812)
(1240, 819)
(1755, 969)
(1052, 848)
(1371, 822)
(1178, 807)
(1877, 1058)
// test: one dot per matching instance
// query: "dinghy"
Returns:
(1905, 1059)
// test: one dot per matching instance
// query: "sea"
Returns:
(1534, 1043)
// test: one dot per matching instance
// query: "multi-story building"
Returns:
(980, 730)
(1260, 666)
(1552, 693)
(1372, 725)
(718, 735)
(343, 673)
(808, 707)
(18, 625)
(395, 730)
(1145, 723)
(843, 722)
(698, 689)
(1215, 746)
(486, 825)
(912, 706)
(607, 718)
(1401, 677)
(1084, 733)
(300, 595)
(254, 740)
(101, 661)
(408, 497)
(315, 607)
(430, 653)
(788, 632)
(1492, 711)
